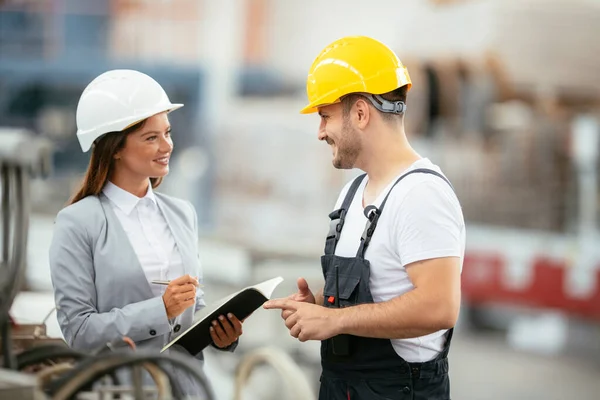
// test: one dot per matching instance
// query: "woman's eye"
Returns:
(150, 138)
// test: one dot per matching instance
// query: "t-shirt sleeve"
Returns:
(429, 224)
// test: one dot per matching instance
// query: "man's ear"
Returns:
(363, 113)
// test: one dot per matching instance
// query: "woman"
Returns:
(117, 235)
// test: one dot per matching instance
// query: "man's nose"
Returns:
(322, 135)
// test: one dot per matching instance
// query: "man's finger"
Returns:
(295, 331)
(291, 321)
(302, 286)
(285, 314)
(282, 304)
(303, 337)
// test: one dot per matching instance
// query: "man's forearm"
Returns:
(410, 315)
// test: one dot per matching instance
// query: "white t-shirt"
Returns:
(422, 219)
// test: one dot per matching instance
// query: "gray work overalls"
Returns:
(368, 368)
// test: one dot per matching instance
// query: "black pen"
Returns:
(159, 282)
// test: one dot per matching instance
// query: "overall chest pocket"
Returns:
(348, 290)
(346, 281)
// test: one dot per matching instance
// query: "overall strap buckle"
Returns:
(337, 217)
(336, 224)
(372, 213)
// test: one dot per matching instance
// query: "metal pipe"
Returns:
(21, 154)
(7, 267)
(84, 377)
(21, 228)
(4, 178)
(290, 372)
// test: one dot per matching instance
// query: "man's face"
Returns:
(337, 130)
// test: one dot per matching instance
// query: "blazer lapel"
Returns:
(181, 236)
(122, 245)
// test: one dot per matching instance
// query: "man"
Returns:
(394, 252)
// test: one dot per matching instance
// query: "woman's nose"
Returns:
(166, 145)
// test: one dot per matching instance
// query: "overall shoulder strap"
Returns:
(373, 213)
(338, 217)
(414, 171)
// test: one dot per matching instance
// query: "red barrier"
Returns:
(482, 282)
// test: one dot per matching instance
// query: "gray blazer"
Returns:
(100, 289)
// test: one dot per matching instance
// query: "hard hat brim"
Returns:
(88, 137)
(309, 109)
(314, 107)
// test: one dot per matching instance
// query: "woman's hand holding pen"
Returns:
(179, 295)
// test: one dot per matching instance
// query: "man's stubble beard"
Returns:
(348, 148)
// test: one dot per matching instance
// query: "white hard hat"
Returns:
(116, 100)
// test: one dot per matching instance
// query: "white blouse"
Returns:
(149, 234)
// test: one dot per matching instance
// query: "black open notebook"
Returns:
(241, 304)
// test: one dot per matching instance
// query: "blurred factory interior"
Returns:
(505, 98)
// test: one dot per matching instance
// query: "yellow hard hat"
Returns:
(353, 64)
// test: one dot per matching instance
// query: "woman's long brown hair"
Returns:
(102, 163)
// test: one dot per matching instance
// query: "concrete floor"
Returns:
(485, 367)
